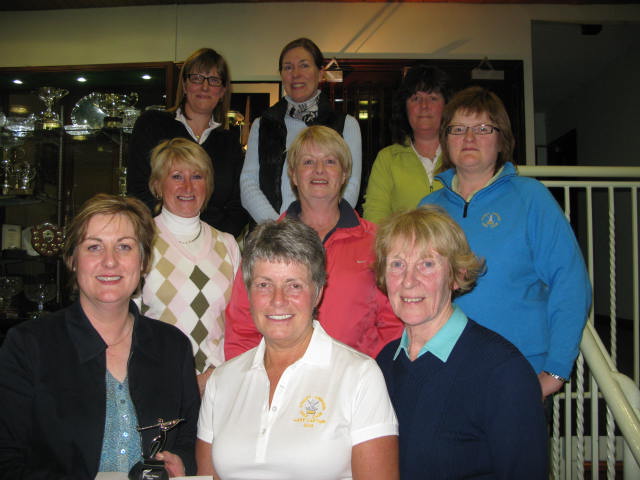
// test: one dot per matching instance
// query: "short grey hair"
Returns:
(286, 241)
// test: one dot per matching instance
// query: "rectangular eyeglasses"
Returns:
(199, 79)
(481, 129)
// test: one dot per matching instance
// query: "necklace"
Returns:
(123, 336)
(187, 242)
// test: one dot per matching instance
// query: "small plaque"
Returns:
(47, 239)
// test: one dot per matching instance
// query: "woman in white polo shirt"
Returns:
(300, 405)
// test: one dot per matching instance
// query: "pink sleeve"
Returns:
(389, 326)
(240, 332)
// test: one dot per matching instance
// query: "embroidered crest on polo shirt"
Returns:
(490, 220)
(311, 410)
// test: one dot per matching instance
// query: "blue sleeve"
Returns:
(351, 135)
(559, 263)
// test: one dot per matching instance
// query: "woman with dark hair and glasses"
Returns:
(536, 292)
(199, 115)
(403, 172)
(266, 191)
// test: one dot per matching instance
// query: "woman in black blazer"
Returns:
(74, 385)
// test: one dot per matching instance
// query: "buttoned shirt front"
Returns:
(325, 403)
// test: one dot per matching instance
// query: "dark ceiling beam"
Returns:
(21, 5)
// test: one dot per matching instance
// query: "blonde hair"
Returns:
(106, 204)
(429, 227)
(179, 150)
(328, 140)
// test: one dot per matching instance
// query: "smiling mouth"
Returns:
(110, 278)
(412, 299)
(285, 316)
(186, 198)
(319, 182)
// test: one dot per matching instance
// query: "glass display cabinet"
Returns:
(63, 138)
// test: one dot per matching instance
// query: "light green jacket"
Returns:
(398, 181)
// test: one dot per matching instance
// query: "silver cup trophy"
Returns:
(50, 120)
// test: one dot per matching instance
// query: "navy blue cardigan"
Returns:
(477, 416)
(52, 394)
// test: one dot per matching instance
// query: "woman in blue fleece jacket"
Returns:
(536, 291)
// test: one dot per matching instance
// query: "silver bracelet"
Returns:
(557, 377)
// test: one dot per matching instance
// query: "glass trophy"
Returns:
(150, 468)
(9, 288)
(24, 174)
(39, 292)
(50, 120)
(115, 105)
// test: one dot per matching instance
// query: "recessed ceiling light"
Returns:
(81, 79)
(17, 81)
(146, 77)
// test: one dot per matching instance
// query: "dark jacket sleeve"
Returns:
(225, 211)
(515, 422)
(18, 370)
(185, 442)
(147, 133)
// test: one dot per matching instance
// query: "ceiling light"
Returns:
(17, 81)
(146, 76)
(81, 79)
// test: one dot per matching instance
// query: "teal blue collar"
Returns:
(443, 341)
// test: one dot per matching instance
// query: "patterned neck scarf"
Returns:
(305, 111)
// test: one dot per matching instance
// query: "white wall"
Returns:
(251, 35)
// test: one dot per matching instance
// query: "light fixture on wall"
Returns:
(333, 72)
(485, 71)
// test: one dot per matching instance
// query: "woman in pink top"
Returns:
(352, 309)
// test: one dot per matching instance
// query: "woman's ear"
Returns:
(318, 297)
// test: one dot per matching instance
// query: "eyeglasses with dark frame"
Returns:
(482, 129)
(198, 79)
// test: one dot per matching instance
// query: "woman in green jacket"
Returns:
(402, 173)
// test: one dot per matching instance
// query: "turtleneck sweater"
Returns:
(189, 283)
(188, 231)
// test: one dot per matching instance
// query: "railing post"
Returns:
(631, 468)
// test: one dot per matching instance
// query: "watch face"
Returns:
(47, 239)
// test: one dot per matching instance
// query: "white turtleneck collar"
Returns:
(179, 225)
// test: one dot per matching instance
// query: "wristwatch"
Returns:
(557, 377)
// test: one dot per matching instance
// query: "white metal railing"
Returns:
(606, 197)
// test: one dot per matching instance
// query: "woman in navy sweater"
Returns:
(468, 403)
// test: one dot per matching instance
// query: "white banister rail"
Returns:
(606, 375)
(578, 172)
(598, 425)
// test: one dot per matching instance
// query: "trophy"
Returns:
(39, 292)
(9, 288)
(50, 120)
(150, 468)
(115, 104)
(24, 174)
(10, 155)
(20, 126)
